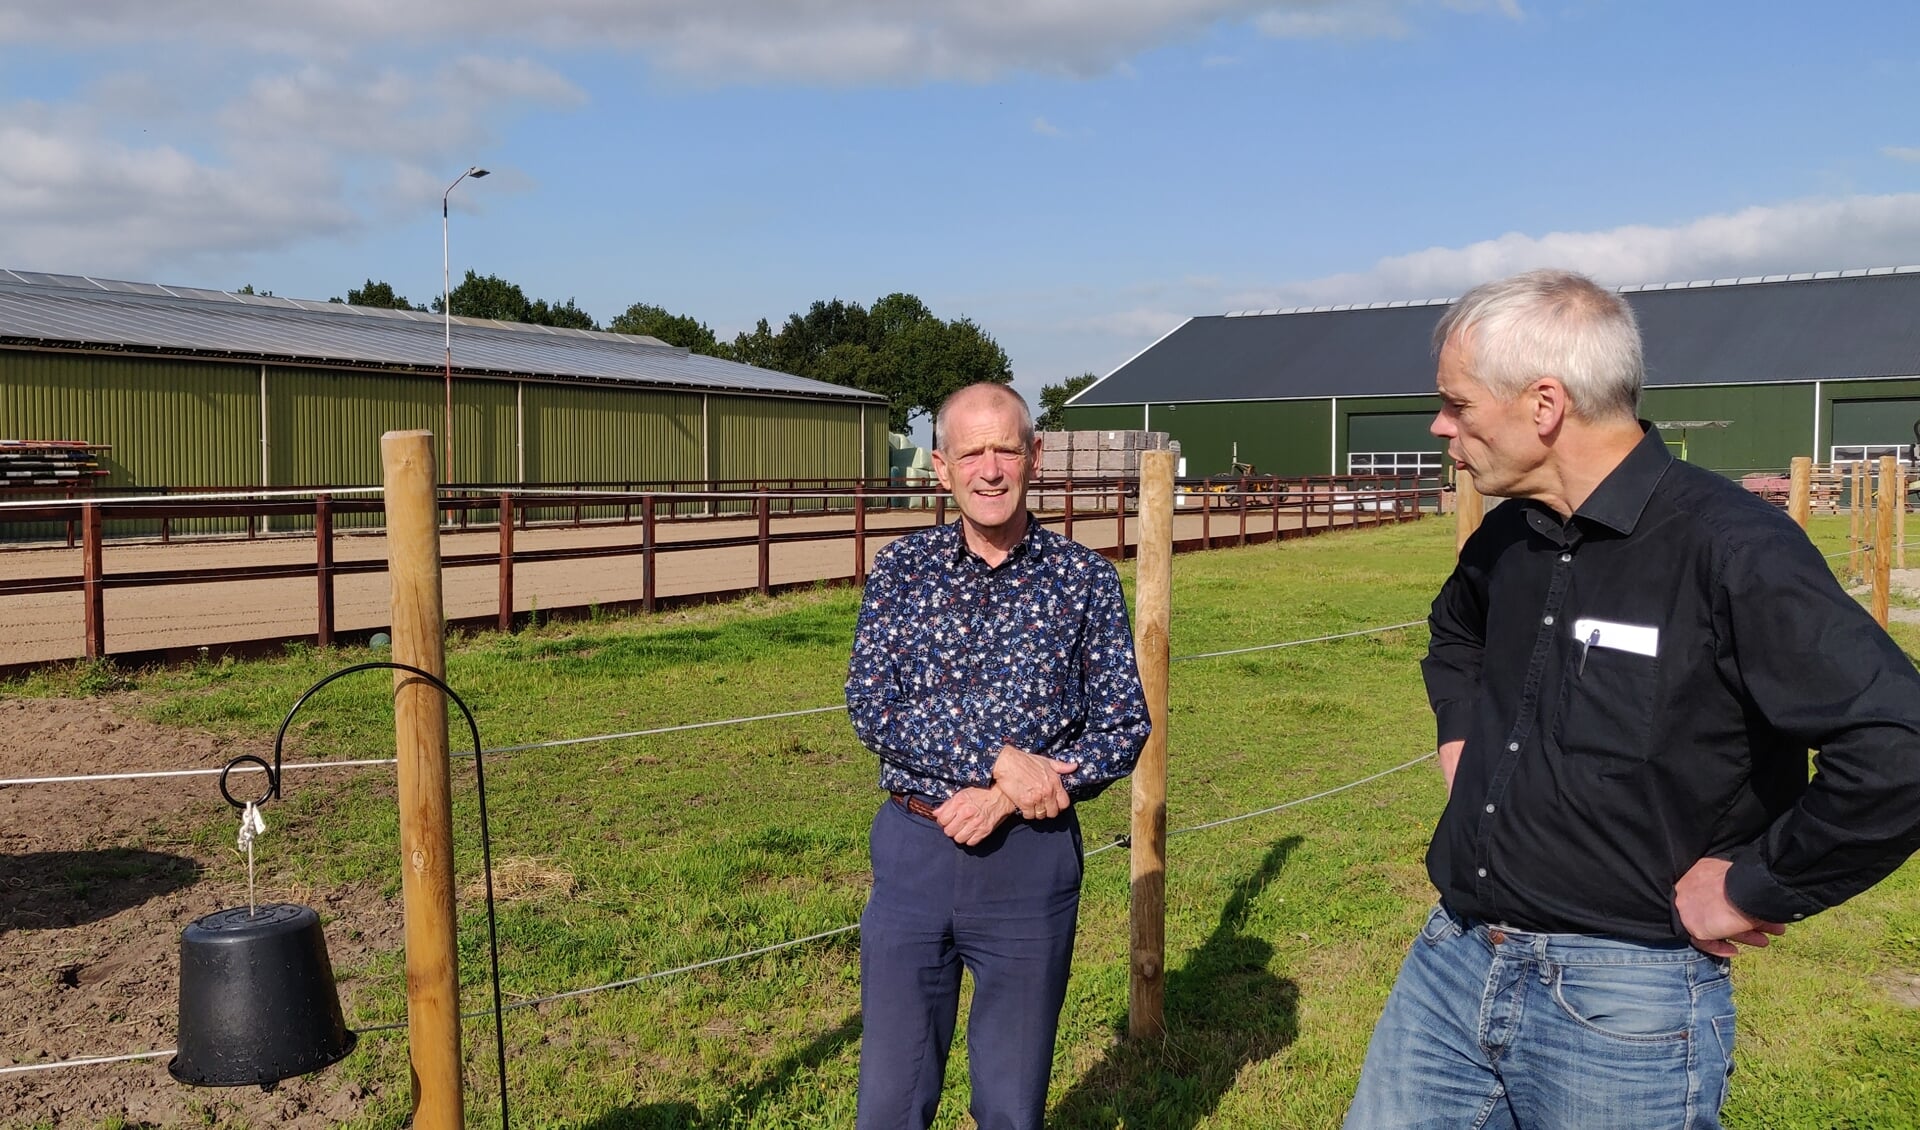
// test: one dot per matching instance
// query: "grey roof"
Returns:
(71, 311)
(1825, 326)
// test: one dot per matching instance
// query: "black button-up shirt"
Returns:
(1638, 687)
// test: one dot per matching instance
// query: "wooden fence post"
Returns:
(93, 579)
(648, 588)
(1900, 517)
(1120, 520)
(323, 567)
(1800, 493)
(1153, 606)
(1068, 531)
(1883, 538)
(1468, 509)
(764, 508)
(506, 562)
(1856, 519)
(1243, 512)
(426, 812)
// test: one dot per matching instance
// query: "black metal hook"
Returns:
(272, 791)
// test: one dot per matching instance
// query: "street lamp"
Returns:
(446, 308)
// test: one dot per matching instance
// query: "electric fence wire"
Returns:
(762, 951)
(625, 734)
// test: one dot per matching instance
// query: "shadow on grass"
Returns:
(47, 890)
(789, 1073)
(1224, 1010)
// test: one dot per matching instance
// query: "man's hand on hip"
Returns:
(971, 815)
(1712, 922)
(1032, 782)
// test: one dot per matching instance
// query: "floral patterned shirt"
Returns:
(952, 659)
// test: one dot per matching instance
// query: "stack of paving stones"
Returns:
(1093, 456)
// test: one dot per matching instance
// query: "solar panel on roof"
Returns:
(72, 310)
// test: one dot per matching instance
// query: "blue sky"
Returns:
(1078, 176)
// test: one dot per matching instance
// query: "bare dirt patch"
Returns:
(96, 882)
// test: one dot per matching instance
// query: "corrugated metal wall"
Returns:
(877, 429)
(769, 441)
(604, 435)
(324, 427)
(170, 423)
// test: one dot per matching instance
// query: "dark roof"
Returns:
(1828, 326)
(69, 311)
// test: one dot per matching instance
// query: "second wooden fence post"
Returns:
(1152, 616)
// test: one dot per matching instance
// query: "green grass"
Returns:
(1283, 931)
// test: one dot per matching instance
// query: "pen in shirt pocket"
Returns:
(1586, 645)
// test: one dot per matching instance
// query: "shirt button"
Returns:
(1482, 872)
(1798, 917)
(1546, 619)
(1565, 557)
(1489, 808)
(1513, 747)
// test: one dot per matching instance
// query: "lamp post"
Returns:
(446, 309)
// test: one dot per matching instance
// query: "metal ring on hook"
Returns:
(273, 780)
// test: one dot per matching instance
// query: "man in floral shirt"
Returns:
(993, 673)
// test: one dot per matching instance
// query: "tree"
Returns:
(1053, 401)
(491, 296)
(898, 348)
(674, 329)
(379, 295)
(248, 289)
(563, 314)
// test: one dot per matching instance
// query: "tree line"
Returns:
(896, 347)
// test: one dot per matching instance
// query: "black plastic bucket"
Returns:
(257, 999)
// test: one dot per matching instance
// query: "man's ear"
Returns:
(940, 470)
(1551, 405)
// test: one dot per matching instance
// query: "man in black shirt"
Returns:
(1628, 668)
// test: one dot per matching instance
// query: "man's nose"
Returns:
(1441, 426)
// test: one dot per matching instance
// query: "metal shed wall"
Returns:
(171, 423)
(776, 440)
(577, 434)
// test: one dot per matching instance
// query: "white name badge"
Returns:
(1639, 639)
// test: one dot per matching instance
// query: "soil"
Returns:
(90, 926)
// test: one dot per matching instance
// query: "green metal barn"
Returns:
(199, 388)
(1760, 369)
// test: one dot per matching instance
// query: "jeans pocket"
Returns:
(1636, 1003)
(1442, 925)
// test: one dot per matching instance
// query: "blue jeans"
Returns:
(1003, 910)
(1491, 1027)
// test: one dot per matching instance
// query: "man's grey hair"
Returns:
(1019, 403)
(1551, 323)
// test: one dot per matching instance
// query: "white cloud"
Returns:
(1045, 128)
(825, 41)
(314, 152)
(77, 202)
(1901, 152)
(1804, 235)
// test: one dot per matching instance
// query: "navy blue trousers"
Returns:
(1004, 910)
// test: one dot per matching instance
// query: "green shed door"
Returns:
(1874, 423)
(1393, 443)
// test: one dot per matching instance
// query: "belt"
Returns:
(914, 804)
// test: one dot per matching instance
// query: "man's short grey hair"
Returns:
(1550, 323)
(1019, 403)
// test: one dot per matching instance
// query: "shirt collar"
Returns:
(1028, 545)
(1622, 496)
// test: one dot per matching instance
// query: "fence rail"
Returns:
(1241, 514)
